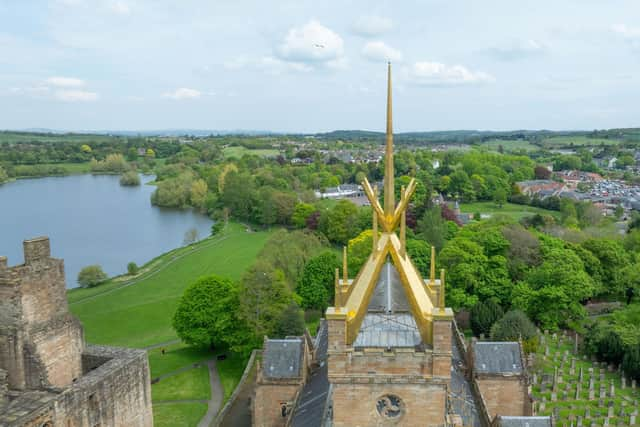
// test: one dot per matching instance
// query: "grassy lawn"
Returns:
(572, 406)
(238, 152)
(192, 384)
(176, 356)
(178, 414)
(565, 141)
(510, 209)
(230, 371)
(510, 145)
(140, 315)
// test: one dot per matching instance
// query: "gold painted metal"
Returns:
(351, 305)
(441, 290)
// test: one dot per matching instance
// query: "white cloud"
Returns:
(65, 82)
(182, 93)
(379, 51)
(437, 74)
(517, 50)
(626, 32)
(311, 43)
(372, 25)
(76, 95)
(630, 34)
(119, 7)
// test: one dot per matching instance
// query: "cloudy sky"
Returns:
(308, 66)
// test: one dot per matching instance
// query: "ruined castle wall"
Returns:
(116, 393)
(40, 342)
(355, 405)
(504, 395)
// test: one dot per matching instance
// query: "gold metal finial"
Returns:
(345, 273)
(442, 290)
(389, 196)
(338, 296)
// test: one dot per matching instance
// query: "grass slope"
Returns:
(178, 414)
(140, 315)
(510, 209)
(192, 384)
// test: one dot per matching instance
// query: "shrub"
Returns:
(217, 227)
(132, 268)
(290, 322)
(130, 178)
(91, 276)
(513, 326)
(483, 316)
(631, 362)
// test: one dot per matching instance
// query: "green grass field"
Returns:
(517, 212)
(137, 313)
(178, 414)
(189, 385)
(238, 152)
(510, 145)
(140, 315)
(566, 141)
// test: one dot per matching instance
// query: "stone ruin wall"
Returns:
(40, 341)
(42, 348)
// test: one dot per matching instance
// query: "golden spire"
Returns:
(441, 295)
(389, 197)
(338, 297)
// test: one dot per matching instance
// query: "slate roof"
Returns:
(310, 410)
(388, 330)
(388, 295)
(524, 421)
(497, 357)
(282, 358)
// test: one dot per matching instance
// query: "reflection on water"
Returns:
(91, 220)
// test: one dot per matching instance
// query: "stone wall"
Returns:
(504, 395)
(269, 398)
(355, 405)
(40, 342)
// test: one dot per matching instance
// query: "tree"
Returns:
(500, 197)
(198, 193)
(132, 268)
(301, 213)
(290, 322)
(483, 316)
(217, 227)
(129, 178)
(190, 236)
(513, 326)
(420, 253)
(3, 176)
(432, 227)
(613, 259)
(316, 286)
(132, 154)
(85, 148)
(264, 295)
(541, 172)
(91, 276)
(150, 153)
(341, 223)
(207, 313)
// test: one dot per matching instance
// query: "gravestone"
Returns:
(612, 389)
(610, 409)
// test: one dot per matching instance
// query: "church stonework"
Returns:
(48, 376)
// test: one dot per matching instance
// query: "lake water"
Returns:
(91, 220)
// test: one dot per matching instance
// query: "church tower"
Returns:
(389, 343)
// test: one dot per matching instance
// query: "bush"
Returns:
(130, 178)
(91, 276)
(631, 362)
(290, 322)
(483, 316)
(132, 268)
(217, 227)
(513, 326)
